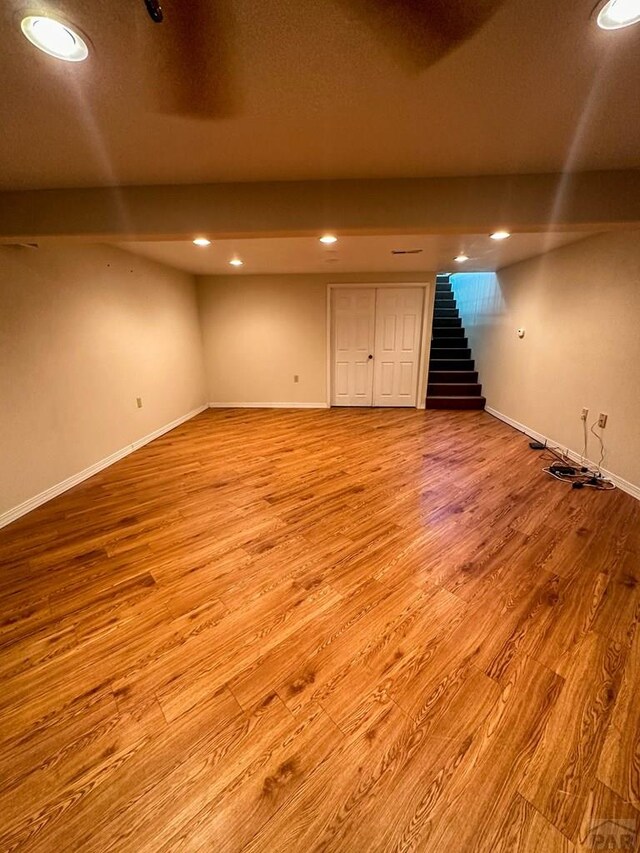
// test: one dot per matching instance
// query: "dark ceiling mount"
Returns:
(155, 10)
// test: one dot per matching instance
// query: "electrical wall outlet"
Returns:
(139, 402)
(584, 415)
(602, 420)
(296, 378)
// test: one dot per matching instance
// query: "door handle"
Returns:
(370, 357)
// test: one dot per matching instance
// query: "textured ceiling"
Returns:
(318, 94)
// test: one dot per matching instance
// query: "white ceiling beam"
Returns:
(529, 203)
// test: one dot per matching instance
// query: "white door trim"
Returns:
(427, 317)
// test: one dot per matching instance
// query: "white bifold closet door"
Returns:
(353, 333)
(397, 345)
(376, 335)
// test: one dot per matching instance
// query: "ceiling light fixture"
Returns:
(54, 38)
(500, 235)
(327, 239)
(236, 262)
(616, 14)
(461, 258)
(201, 241)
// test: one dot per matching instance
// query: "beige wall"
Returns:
(260, 330)
(580, 308)
(83, 332)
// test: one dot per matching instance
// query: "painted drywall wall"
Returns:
(83, 332)
(453, 205)
(580, 308)
(261, 330)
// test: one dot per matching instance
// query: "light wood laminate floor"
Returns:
(341, 630)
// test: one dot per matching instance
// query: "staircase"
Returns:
(453, 382)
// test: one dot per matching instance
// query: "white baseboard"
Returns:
(53, 491)
(269, 405)
(624, 485)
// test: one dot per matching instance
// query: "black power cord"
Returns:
(155, 11)
(561, 468)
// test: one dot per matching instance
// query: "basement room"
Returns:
(320, 426)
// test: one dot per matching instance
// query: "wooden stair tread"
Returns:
(461, 402)
(455, 397)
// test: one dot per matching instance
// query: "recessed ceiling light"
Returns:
(461, 258)
(327, 239)
(236, 262)
(500, 235)
(201, 241)
(615, 14)
(55, 38)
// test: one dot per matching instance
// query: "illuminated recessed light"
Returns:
(615, 14)
(461, 258)
(327, 239)
(500, 235)
(201, 241)
(236, 262)
(55, 38)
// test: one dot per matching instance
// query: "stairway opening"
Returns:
(453, 379)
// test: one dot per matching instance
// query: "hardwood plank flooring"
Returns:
(342, 630)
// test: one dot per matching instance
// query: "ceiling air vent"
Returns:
(406, 251)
